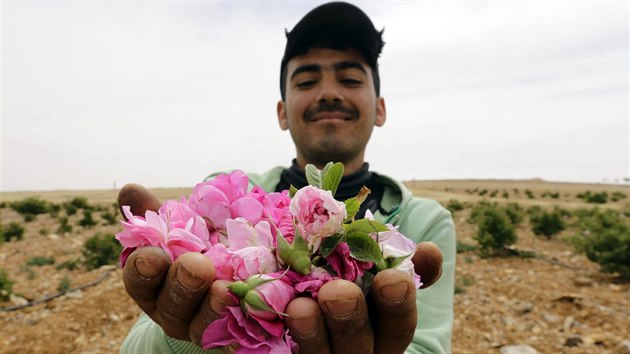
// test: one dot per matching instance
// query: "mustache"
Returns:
(334, 106)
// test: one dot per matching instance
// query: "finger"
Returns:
(144, 275)
(394, 298)
(427, 263)
(211, 308)
(306, 326)
(138, 198)
(346, 315)
(185, 287)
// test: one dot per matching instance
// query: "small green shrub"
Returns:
(3, 205)
(13, 230)
(64, 284)
(548, 223)
(79, 203)
(454, 205)
(109, 218)
(70, 264)
(494, 193)
(605, 239)
(70, 209)
(30, 207)
(495, 231)
(64, 227)
(617, 196)
(505, 194)
(44, 231)
(464, 247)
(529, 194)
(515, 213)
(40, 261)
(6, 285)
(101, 249)
(553, 195)
(54, 209)
(595, 198)
(87, 221)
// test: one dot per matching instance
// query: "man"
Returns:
(330, 103)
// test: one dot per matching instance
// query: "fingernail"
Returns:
(187, 279)
(146, 269)
(394, 293)
(342, 309)
(306, 326)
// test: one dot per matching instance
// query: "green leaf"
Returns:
(363, 247)
(238, 288)
(313, 176)
(331, 176)
(393, 262)
(299, 243)
(329, 244)
(255, 281)
(284, 249)
(292, 191)
(352, 208)
(366, 226)
(255, 302)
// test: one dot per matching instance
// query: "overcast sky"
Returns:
(98, 94)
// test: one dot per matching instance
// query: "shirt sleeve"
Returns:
(426, 220)
(147, 337)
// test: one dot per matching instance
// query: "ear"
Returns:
(381, 112)
(282, 115)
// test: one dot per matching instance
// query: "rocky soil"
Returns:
(557, 302)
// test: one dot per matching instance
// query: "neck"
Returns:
(349, 167)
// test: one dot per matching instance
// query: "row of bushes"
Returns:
(30, 207)
(15, 230)
(588, 196)
(98, 250)
(602, 235)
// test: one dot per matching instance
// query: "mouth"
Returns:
(330, 116)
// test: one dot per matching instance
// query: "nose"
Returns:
(329, 90)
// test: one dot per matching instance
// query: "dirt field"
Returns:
(546, 302)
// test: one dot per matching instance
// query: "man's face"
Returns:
(330, 107)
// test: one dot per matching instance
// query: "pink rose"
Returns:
(345, 266)
(276, 294)
(222, 260)
(253, 260)
(138, 231)
(237, 328)
(312, 282)
(225, 197)
(256, 331)
(241, 233)
(318, 215)
(179, 241)
(394, 244)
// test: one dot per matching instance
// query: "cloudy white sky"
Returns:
(97, 94)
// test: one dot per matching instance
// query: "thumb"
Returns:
(427, 263)
(138, 198)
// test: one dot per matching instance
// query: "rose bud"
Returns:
(427, 263)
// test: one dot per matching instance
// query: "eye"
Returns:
(351, 82)
(304, 84)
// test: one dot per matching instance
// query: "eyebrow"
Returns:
(342, 65)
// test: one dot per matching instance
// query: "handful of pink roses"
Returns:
(272, 247)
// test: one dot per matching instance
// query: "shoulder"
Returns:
(267, 180)
(419, 218)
